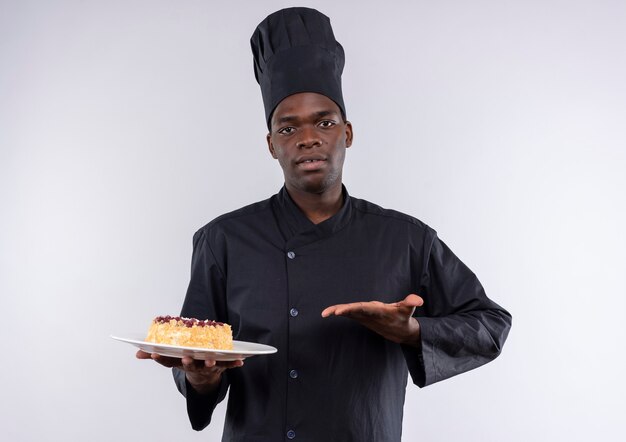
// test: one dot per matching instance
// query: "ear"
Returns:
(349, 134)
(270, 146)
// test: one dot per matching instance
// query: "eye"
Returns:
(287, 130)
(327, 123)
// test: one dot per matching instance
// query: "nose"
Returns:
(308, 138)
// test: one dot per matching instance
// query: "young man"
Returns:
(283, 270)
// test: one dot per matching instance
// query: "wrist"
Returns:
(203, 383)
(414, 337)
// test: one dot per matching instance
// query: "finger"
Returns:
(363, 309)
(189, 364)
(329, 311)
(407, 306)
(142, 355)
(335, 309)
(230, 364)
(166, 361)
(411, 301)
(356, 309)
(349, 309)
(209, 363)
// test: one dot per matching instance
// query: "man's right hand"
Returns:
(203, 376)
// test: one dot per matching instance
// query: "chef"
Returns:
(355, 297)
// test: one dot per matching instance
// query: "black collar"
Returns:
(297, 229)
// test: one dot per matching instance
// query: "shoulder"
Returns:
(247, 215)
(369, 209)
(394, 226)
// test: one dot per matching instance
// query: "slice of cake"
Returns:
(190, 332)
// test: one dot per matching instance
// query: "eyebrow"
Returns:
(319, 114)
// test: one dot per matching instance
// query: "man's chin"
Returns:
(318, 188)
(316, 183)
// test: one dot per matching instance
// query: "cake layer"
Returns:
(190, 332)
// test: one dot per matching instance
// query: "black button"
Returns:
(293, 374)
(291, 434)
(293, 312)
(291, 255)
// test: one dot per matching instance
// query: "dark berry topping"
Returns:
(187, 322)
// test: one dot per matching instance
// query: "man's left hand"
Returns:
(393, 321)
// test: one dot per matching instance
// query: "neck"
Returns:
(318, 207)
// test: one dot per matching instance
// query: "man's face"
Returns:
(309, 139)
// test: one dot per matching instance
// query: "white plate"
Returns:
(241, 349)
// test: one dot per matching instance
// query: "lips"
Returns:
(310, 163)
(310, 160)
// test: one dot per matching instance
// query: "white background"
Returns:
(127, 125)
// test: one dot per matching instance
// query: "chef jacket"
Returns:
(267, 270)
